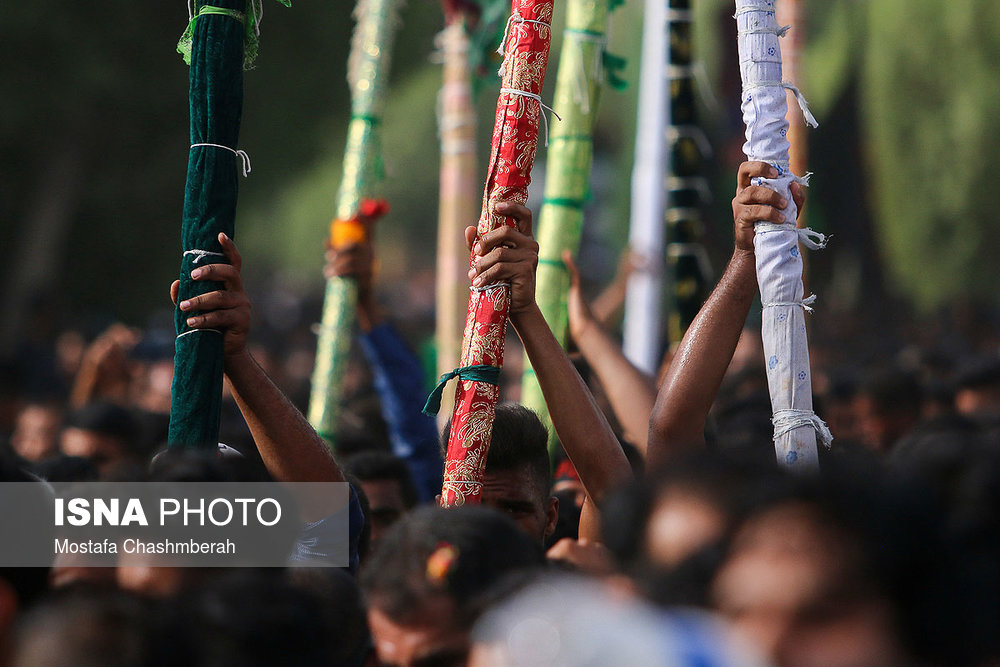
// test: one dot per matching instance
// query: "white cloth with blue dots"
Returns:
(779, 265)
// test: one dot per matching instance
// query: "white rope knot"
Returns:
(537, 98)
(780, 32)
(458, 148)
(786, 421)
(766, 8)
(808, 237)
(502, 49)
(799, 97)
(805, 303)
(202, 254)
(488, 288)
(187, 333)
(238, 153)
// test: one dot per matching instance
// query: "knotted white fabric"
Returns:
(779, 265)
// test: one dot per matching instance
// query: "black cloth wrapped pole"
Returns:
(216, 102)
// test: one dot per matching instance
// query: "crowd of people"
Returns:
(662, 532)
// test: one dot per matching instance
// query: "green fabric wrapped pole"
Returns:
(368, 71)
(216, 101)
(567, 175)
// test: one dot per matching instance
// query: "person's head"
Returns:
(977, 388)
(517, 477)
(20, 587)
(159, 575)
(427, 581)
(104, 433)
(846, 569)
(888, 404)
(246, 617)
(36, 433)
(388, 484)
(670, 528)
(343, 611)
(85, 627)
(574, 621)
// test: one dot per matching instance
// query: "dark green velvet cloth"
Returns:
(216, 101)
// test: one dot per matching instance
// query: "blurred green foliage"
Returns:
(928, 85)
(99, 93)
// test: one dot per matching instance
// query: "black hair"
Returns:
(893, 391)
(377, 466)
(86, 626)
(343, 611)
(246, 618)
(457, 552)
(519, 440)
(978, 373)
(28, 583)
(107, 419)
(62, 468)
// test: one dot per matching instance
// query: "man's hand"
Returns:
(229, 308)
(356, 260)
(754, 203)
(507, 254)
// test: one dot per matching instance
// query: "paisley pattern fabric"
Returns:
(515, 139)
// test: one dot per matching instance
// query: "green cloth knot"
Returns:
(480, 373)
(251, 38)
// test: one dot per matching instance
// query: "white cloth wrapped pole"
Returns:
(779, 265)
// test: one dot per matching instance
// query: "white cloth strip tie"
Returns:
(238, 153)
(782, 166)
(808, 237)
(805, 303)
(799, 97)
(537, 98)
(454, 122)
(786, 421)
(502, 49)
(458, 147)
(762, 9)
(780, 32)
(187, 333)
(487, 288)
(257, 7)
(202, 254)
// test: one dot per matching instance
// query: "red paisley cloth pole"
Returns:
(515, 139)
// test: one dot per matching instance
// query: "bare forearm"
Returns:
(609, 302)
(290, 448)
(630, 392)
(696, 372)
(582, 429)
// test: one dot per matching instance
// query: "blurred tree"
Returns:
(928, 90)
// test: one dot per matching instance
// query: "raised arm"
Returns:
(288, 445)
(399, 378)
(696, 371)
(511, 255)
(630, 391)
